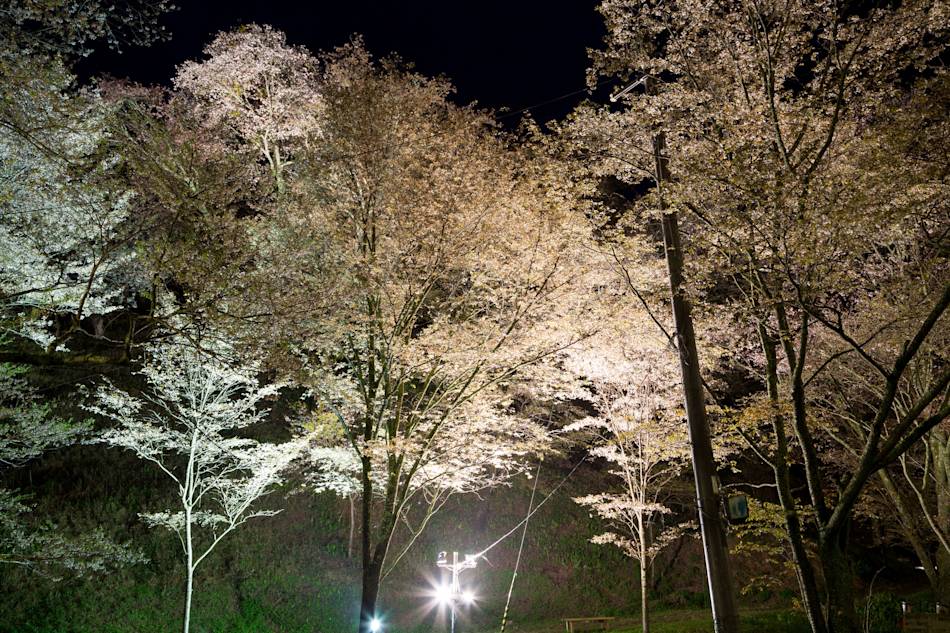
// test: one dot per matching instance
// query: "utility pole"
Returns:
(722, 593)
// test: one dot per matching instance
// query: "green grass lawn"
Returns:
(291, 574)
(682, 621)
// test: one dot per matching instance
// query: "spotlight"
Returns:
(468, 597)
(443, 594)
(375, 625)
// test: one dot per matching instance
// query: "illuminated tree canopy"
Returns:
(319, 289)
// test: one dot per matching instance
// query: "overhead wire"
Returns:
(524, 533)
(566, 95)
(482, 553)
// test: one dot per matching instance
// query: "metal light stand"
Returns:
(456, 567)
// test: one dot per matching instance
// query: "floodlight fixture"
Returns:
(452, 593)
(443, 593)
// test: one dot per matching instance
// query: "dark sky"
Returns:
(513, 53)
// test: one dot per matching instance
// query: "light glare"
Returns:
(375, 625)
(443, 593)
(468, 597)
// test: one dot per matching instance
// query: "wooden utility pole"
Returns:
(722, 594)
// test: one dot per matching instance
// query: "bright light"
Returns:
(443, 593)
(468, 597)
(375, 625)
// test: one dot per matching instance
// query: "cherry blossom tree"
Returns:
(29, 428)
(39, 40)
(260, 88)
(196, 205)
(67, 244)
(67, 264)
(218, 241)
(64, 259)
(448, 251)
(789, 136)
(185, 424)
(68, 28)
(640, 433)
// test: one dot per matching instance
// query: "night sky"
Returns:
(513, 54)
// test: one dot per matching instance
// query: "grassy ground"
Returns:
(681, 621)
(290, 573)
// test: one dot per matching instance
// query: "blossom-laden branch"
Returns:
(185, 423)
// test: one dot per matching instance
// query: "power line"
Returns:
(524, 533)
(536, 508)
(566, 95)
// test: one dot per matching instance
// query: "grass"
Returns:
(684, 621)
(290, 573)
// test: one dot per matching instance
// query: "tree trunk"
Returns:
(803, 567)
(188, 498)
(349, 546)
(374, 557)
(370, 571)
(644, 597)
(938, 449)
(911, 530)
(941, 588)
(644, 578)
(188, 592)
(189, 584)
(371, 577)
(804, 570)
(839, 582)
